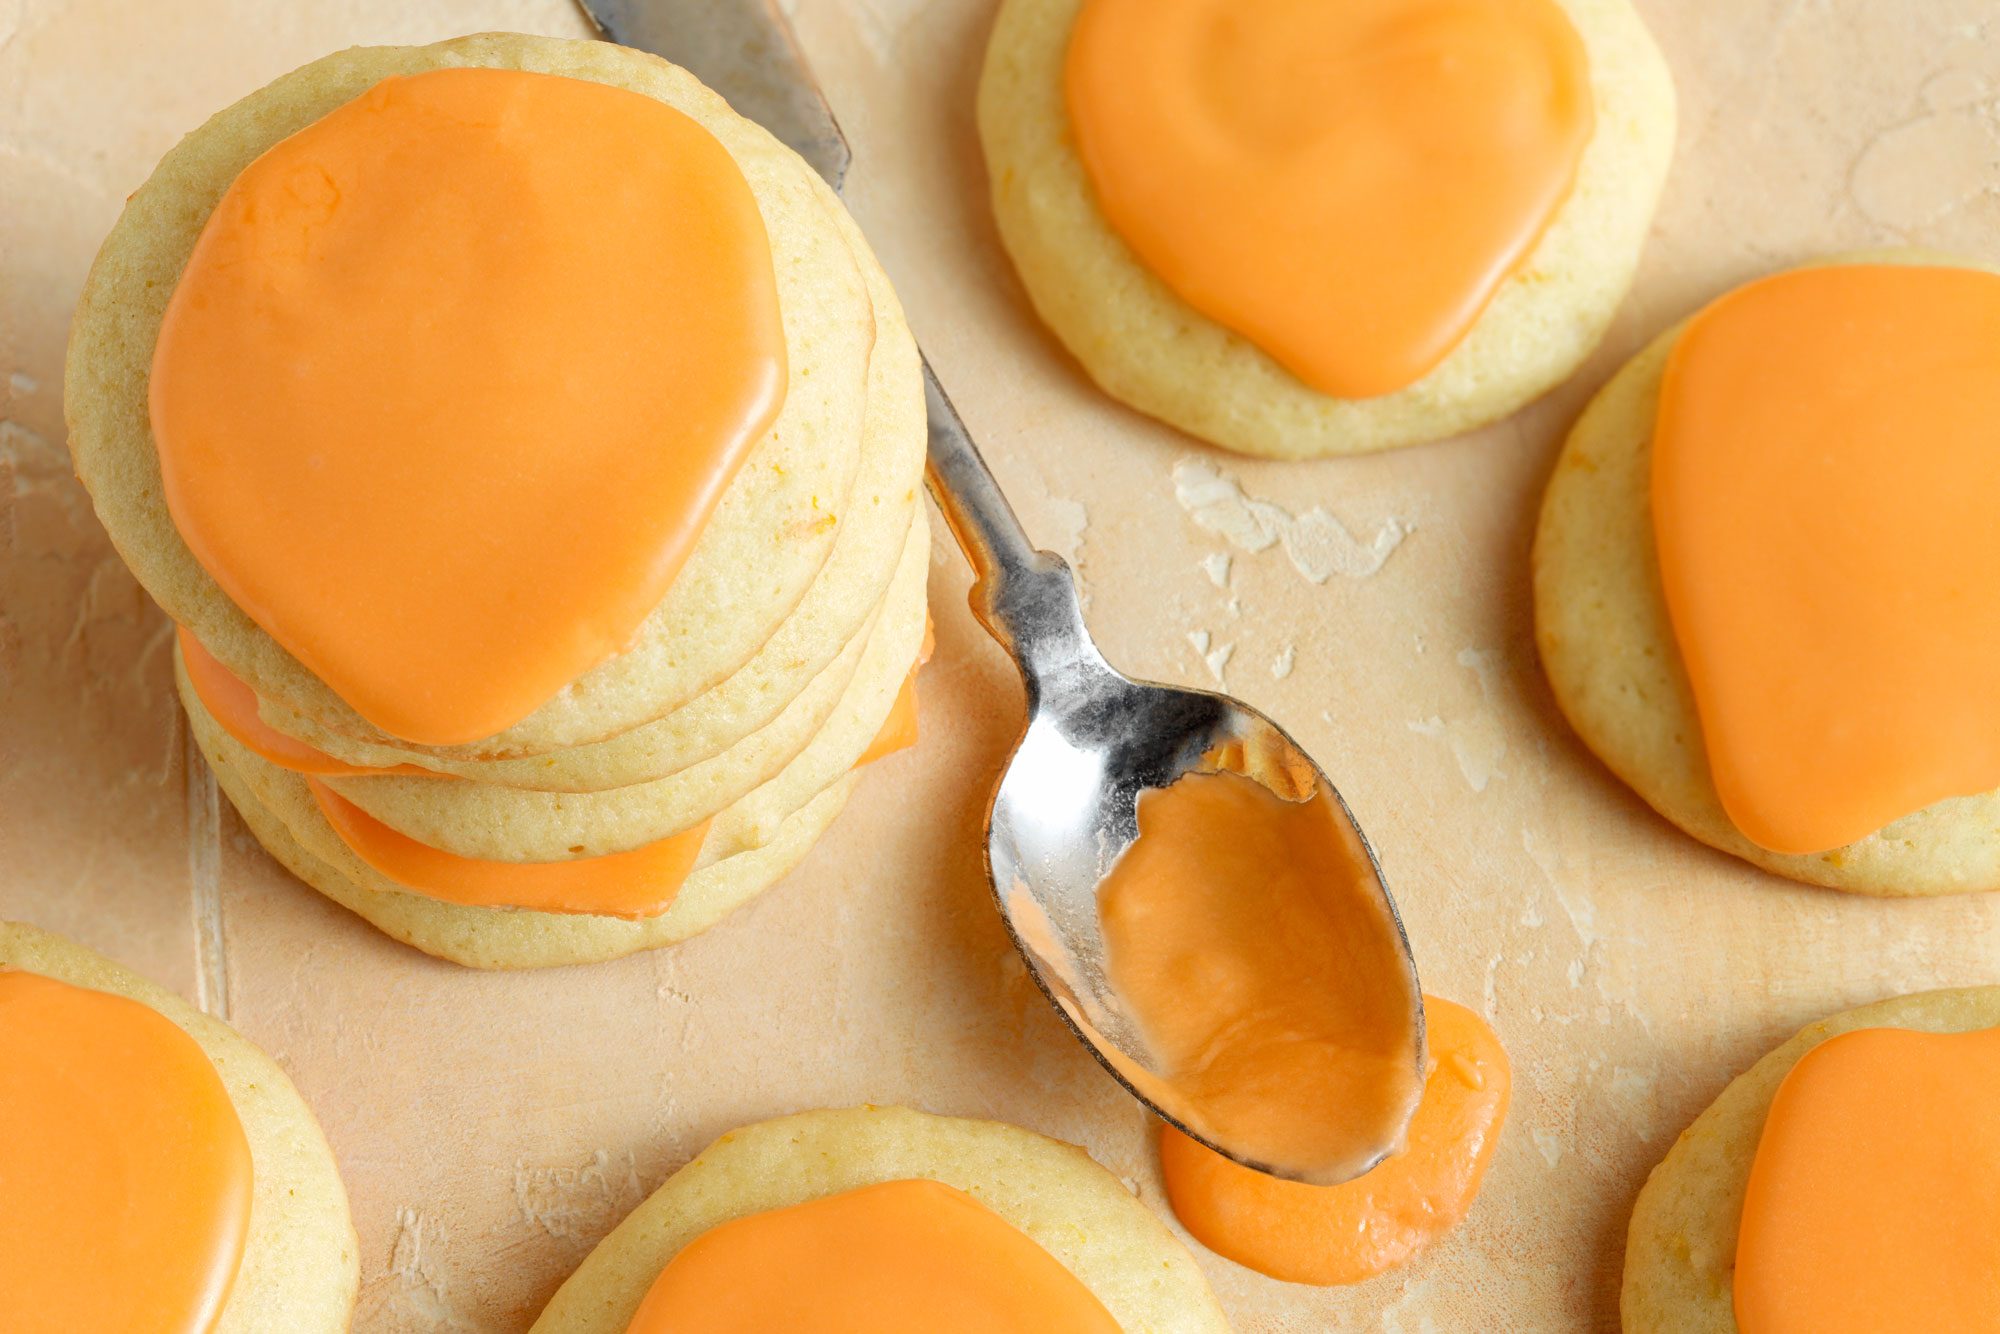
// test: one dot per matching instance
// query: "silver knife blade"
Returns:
(743, 49)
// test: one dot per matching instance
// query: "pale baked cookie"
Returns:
(1055, 1193)
(1606, 642)
(280, 812)
(1147, 347)
(1680, 1252)
(750, 845)
(516, 824)
(301, 1267)
(760, 551)
(842, 601)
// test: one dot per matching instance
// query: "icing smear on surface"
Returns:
(1318, 545)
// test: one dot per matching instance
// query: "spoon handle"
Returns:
(1026, 598)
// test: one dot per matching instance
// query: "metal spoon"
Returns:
(1067, 804)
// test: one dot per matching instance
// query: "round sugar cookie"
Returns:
(516, 824)
(1150, 349)
(841, 602)
(274, 803)
(769, 536)
(301, 1263)
(1076, 1210)
(1680, 1250)
(1608, 647)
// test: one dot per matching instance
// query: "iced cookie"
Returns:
(761, 537)
(888, 1219)
(1846, 1182)
(1759, 575)
(157, 1171)
(533, 570)
(1298, 230)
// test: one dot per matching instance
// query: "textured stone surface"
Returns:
(491, 1128)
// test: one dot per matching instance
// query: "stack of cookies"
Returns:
(334, 650)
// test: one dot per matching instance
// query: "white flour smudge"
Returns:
(1217, 659)
(1475, 743)
(1318, 545)
(414, 1294)
(1216, 656)
(1577, 906)
(1477, 740)
(578, 1203)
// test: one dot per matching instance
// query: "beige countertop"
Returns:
(491, 1128)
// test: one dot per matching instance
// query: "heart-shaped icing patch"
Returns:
(455, 376)
(1825, 476)
(1346, 185)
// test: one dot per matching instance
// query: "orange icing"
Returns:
(1243, 936)
(1874, 1200)
(1346, 185)
(125, 1179)
(1361, 1228)
(903, 1257)
(639, 883)
(899, 729)
(233, 705)
(1824, 482)
(454, 378)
